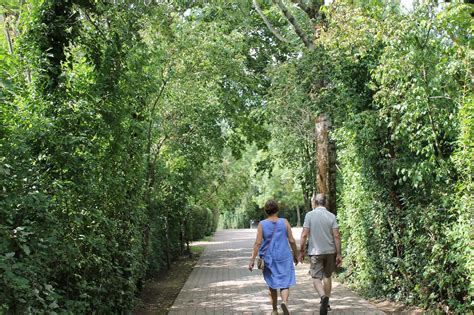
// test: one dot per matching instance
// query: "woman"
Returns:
(279, 271)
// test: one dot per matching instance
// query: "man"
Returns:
(324, 248)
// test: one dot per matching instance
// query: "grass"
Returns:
(197, 249)
(206, 238)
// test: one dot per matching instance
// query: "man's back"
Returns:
(320, 222)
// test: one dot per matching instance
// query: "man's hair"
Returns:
(319, 199)
(271, 207)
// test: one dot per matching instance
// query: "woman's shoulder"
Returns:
(285, 222)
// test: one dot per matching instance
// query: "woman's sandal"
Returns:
(285, 309)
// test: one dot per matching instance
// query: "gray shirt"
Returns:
(320, 222)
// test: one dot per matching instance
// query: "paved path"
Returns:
(221, 284)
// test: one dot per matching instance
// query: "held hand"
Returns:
(301, 257)
(295, 259)
(251, 264)
(338, 261)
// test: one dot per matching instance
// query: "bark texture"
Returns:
(326, 162)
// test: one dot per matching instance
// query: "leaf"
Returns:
(10, 255)
(25, 249)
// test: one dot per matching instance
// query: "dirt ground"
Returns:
(394, 308)
(160, 292)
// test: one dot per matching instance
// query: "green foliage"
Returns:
(248, 183)
(397, 87)
(129, 130)
(398, 177)
(201, 224)
(74, 211)
(110, 113)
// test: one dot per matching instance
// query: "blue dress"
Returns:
(279, 272)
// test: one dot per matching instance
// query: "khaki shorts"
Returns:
(322, 265)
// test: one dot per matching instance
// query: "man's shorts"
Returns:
(322, 265)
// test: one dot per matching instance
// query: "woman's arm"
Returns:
(292, 241)
(256, 246)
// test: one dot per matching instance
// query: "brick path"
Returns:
(221, 284)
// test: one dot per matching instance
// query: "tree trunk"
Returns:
(325, 161)
(298, 216)
(307, 199)
(168, 254)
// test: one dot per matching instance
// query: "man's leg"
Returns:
(317, 273)
(318, 286)
(329, 267)
(327, 283)
(320, 281)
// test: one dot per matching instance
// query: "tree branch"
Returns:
(7, 33)
(88, 18)
(163, 85)
(267, 22)
(308, 43)
(305, 8)
(158, 149)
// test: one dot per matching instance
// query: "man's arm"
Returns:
(303, 239)
(337, 241)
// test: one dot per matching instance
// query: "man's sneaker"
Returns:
(285, 309)
(323, 308)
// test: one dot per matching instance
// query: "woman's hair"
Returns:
(271, 207)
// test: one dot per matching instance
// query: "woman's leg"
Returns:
(285, 293)
(274, 298)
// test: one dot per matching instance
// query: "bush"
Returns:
(200, 223)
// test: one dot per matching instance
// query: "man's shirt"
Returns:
(320, 222)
